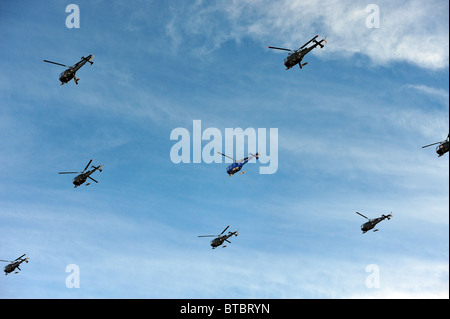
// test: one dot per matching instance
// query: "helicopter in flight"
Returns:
(220, 239)
(237, 165)
(297, 56)
(443, 147)
(373, 222)
(84, 175)
(70, 73)
(13, 265)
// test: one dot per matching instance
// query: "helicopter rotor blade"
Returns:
(56, 63)
(68, 172)
(6, 261)
(431, 144)
(208, 236)
(224, 230)
(87, 165)
(92, 179)
(308, 42)
(227, 156)
(19, 257)
(362, 215)
(276, 48)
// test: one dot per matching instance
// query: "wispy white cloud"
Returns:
(440, 94)
(290, 23)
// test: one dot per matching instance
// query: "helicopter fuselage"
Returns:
(372, 223)
(70, 73)
(10, 268)
(297, 56)
(443, 148)
(80, 179)
(67, 75)
(13, 266)
(216, 242)
(236, 167)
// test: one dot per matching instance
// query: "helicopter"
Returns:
(13, 265)
(443, 147)
(220, 239)
(70, 73)
(237, 165)
(373, 222)
(84, 175)
(297, 56)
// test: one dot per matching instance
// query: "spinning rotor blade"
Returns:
(56, 63)
(431, 144)
(224, 230)
(308, 42)
(68, 172)
(281, 49)
(93, 179)
(87, 165)
(227, 156)
(208, 236)
(362, 215)
(244, 159)
(6, 261)
(20, 257)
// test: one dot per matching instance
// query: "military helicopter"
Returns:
(373, 222)
(237, 165)
(70, 73)
(84, 175)
(13, 265)
(220, 239)
(443, 147)
(297, 56)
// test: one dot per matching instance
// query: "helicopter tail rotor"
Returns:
(255, 155)
(88, 59)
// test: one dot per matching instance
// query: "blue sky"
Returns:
(350, 129)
